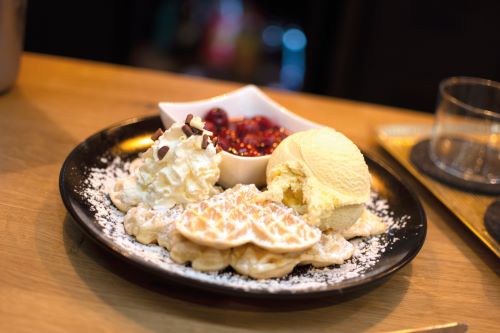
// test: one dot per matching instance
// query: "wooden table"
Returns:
(52, 278)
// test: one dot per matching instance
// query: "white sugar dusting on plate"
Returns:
(367, 250)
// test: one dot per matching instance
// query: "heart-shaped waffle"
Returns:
(367, 225)
(252, 260)
(234, 218)
(258, 263)
(145, 223)
(220, 222)
(261, 264)
(182, 251)
(279, 229)
(331, 249)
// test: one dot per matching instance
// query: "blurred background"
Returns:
(388, 51)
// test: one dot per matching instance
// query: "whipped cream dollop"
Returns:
(184, 172)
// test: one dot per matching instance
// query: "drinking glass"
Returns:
(465, 140)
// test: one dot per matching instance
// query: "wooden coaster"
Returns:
(492, 220)
(420, 158)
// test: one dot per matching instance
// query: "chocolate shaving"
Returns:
(218, 149)
(157, 134)
(162, 152)
(204, 142)
(196, 131)
(188, 119)
(187, 130)
(215, 141)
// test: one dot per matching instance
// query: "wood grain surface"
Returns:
(54, 279)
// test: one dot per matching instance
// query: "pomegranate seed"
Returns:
(218, 117)
(264, 122)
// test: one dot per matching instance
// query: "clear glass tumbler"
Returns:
(466, 135)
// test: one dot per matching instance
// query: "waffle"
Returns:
(235, 217)
(367, 225)
(149, 226)
(251, 260)
(184, 251)
(260, 240)
(220, 222)
(261, 264)
(117, 190)
(145, 224)
(127, 185)
(279, 229)
(330, 250)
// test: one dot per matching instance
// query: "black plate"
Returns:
(124, 140)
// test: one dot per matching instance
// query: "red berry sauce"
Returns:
(256, 136)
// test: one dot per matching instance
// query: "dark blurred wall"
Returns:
(396, 52)
(95, 30)
(388, 51)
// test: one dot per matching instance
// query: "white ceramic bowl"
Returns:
(248, 101)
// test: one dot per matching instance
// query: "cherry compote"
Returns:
(255, 136)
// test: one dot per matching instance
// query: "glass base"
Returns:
(469, 160)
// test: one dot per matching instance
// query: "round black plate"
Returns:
(122, 140)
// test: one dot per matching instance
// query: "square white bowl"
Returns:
(248, 101)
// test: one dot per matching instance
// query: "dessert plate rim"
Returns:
(91, 228)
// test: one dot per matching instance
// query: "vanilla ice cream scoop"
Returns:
(182, 166)
(321, 174)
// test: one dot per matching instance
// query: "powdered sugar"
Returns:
(367, 250)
